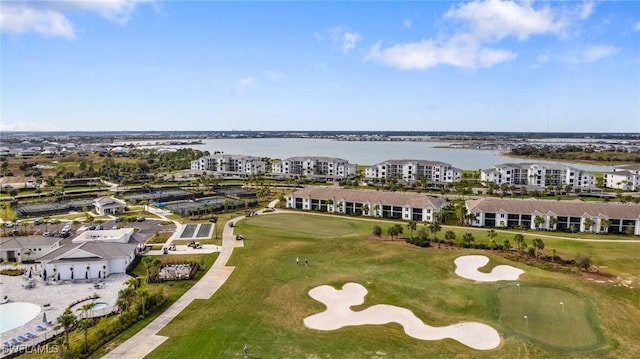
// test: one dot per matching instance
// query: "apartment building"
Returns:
(414, 170)
(402, 205)
(320, 167)
(626, 178)
(583, 216)
(230, 164)
(538, 174)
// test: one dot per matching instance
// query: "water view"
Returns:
(368, 153)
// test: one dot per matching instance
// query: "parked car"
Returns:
(99, 227)
(37, 222)
(140, 219)
(230, 224)
(239, 237)
(47, 234)
(65, 234)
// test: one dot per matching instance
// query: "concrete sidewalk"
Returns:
(147, 340)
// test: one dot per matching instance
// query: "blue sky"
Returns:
(426, 66)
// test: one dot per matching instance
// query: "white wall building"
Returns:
(12, 249)
(323, 167)
(503, 212)
(230, 164)
(108, 205)
(414, 170)
(403, 205)
(91, 255)
(538, 174)
(626, 178)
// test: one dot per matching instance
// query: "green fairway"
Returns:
(554, 317)
(305, 225)
(264, 302)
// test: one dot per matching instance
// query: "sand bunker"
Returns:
(467, 267)
(338, 314)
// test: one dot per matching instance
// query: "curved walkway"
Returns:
(147, 340)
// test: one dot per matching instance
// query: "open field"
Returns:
(264, 302)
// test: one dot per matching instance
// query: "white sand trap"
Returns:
(467, 267)
(338, 314)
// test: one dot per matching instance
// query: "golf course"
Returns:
(263, 305)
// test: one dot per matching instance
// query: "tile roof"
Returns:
(415, 200)
(105, 251)
(559, 208)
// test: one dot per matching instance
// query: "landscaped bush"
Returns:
(12, 272)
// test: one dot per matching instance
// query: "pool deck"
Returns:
(58, 296)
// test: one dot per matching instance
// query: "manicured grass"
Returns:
(569, 326)
(265, 300)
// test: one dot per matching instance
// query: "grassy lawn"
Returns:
(265, 300)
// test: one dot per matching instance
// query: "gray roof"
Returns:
(414, 200)
(105, 201)
(421, 162)
(103, 250)
(575, 208)
(316, 158)
(27, 241)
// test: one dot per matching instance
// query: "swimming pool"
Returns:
(98, 306)
(13, 315)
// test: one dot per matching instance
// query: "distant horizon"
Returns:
(335, 132)
(466, 66)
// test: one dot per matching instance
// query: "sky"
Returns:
(483, 65)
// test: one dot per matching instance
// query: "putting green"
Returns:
(304, 225)
(554, 317)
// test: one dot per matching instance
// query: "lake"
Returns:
(366, 153)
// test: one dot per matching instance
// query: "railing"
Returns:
(31, 345)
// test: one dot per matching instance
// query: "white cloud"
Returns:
(542, 59)
(595, 53)
(49, 18)
(407, 24)
(459, 51)
(21, 19)
(586, 10)
(483, 23)
(492, 20)
(243, 84)
(341, 37)
(637, 27)
(274, 75)
(119, 11)
(349, 40)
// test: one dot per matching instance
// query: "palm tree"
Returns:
(75, 224)
(507, 245)
(86, 322)
(59, 342)
(24, 227)
(519, 239)
(461, 212)
(28, 253)
(553, 222)
(412, 227)
(605, 223)
(56, 222)
(150, 262)
(66, 321)
(434, 228)
(365, 209)
(467, 238)
(538, 221)
(4, 228)
(538, 244)
(376, 210)
(143, 294)
(588, 224)
(492, 234)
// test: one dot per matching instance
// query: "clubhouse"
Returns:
(407, 206)
(583, 216)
